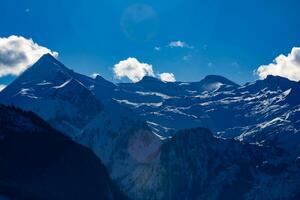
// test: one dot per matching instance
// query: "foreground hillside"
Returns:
(37, 162)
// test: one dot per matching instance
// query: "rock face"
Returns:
(146, 133)
(210, 168)
(38, 162)
(196, 165)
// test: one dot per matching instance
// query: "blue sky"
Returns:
(230, 38)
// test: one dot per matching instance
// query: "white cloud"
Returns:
(285, 66)
(179, 44)
(2, 87)
(167, 77)
(157, 48)
(18, 53)
(132, 69)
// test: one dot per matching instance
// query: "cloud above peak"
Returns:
(135, 71)
(167, 77)
(285, 66)
(18, 53)
(132, 69)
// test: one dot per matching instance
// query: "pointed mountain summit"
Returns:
(104, 84)
(56, 93)
(47, 67)
(46, 72)
(47, 58)
(47, 63)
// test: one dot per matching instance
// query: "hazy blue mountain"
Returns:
(145, 133)
(38, 162)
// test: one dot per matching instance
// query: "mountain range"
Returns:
(148, 137)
